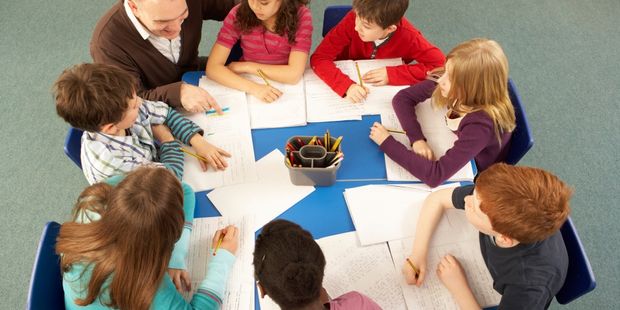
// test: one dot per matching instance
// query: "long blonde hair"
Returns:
(141, 219)
(478, 75)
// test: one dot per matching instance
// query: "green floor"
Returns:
(563, 57)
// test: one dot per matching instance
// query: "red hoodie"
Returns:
(343, 42)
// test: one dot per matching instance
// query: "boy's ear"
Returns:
(110, 128)
(391, 28)
(507, 241)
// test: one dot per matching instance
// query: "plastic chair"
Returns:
(521, 140)
(580, 278)
(73, 145)
(46, 281)
(332, 16)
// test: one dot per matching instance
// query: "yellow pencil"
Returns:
(417, 272)
(396, 131)
(359, 74)
(194, 155)
(219, 242)
(263, 76)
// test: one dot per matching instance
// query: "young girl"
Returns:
(289, 267)
(275, 36)
(474, 88)
(116, 252)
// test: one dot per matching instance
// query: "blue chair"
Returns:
(522, 139)
(580, 278)
(46, 281)
(332, 16)
(73, 145)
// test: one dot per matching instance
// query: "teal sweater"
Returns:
(210, 291)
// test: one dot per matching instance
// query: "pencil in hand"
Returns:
(219, 243)
(263, 76)
(193, 155)
(359, 74)
(417, 272)
(396, 131)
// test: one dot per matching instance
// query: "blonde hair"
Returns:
(478, 75)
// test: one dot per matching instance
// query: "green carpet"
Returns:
(562, 60)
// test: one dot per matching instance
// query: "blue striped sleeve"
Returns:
(181, 247)
(171, 156)
(181, 128)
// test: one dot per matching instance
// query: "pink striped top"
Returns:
(266, 47)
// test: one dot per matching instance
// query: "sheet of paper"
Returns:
(439, 138)
(266, 199)
(289, 110)
(379, 97)
(239, 292)
(432, 294)
(323, 105)
(230, 132)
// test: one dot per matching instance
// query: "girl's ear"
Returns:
(261, 290)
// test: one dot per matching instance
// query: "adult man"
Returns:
(157, 41)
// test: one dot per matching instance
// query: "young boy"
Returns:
(120, 128)
(518, 211)
(375, 30)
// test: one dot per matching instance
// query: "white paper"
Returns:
(432, 294)
(379, 97)
(266, 199)
(288, 110)
(239, 292)
(324, 105)
(439, 138)
(230, 132)
(368, 270)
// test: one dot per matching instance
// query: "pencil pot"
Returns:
(310, 161)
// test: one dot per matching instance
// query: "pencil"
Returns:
(359, 74)
(194, 155)
(396, 131)
(417, 272)
(219, 242)
(263, 76)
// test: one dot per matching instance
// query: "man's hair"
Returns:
(381, 12)
(524, 203)
(89, 96)
(288, 264)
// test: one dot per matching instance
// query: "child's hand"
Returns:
(376, 77)
(410, 276)
(195, 99)
(452, 275)
(230, 241)
(378, 133)
(356, 93)
(239, 67)
(214, 155)
(421, 148)
(266, 93)
(181, 279)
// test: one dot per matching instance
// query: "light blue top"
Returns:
(210, 291)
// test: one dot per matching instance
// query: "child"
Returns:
(375, 30)
(116, 251)
(120, 128)
(518, 211)
(289, 266)
(275, 36)
(475, 89)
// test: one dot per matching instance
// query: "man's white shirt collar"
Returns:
(136, 23)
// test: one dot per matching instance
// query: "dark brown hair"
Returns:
(89, 96)
(381, 12)
(141, 219)
(287, 20)
(524, 203)
(288, 264)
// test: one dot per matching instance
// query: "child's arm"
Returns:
(169, 151)
(430, 215)
(334, 43)
(426, 55)
(290, 73)
(404, 103)
(177, 265)
(452, 275)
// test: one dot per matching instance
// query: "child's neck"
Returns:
(270, 24)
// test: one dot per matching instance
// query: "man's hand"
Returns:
(181, 279)
(356, 93)
(195, 99)
(376, 77)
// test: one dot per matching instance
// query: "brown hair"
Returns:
(524, 203)
(479, 81)
(287, 20)
(89, 96)
(141, 219)
(381, 12)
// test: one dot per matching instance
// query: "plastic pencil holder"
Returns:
(311, 164)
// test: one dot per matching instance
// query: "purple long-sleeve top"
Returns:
(476, 139)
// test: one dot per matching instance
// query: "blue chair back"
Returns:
(73, 145)
(332, 16)
(580, 278)
(522, 139)
(46, 281)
